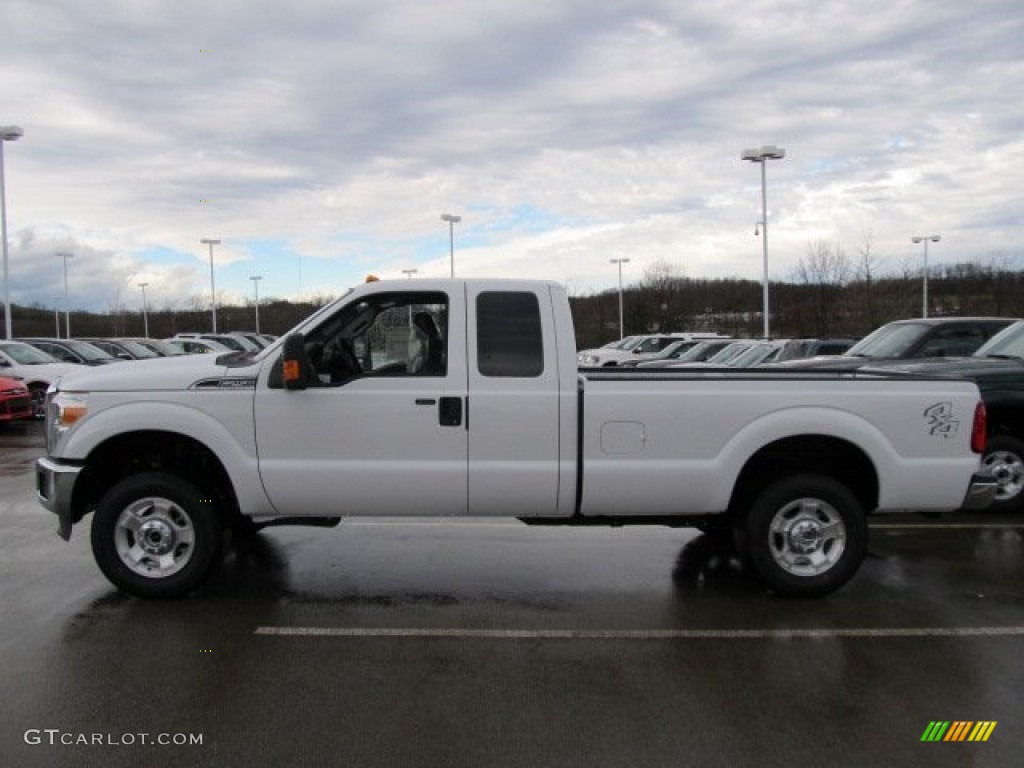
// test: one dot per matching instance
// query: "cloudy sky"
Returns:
(322, 140)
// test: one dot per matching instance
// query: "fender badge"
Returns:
(940, 421)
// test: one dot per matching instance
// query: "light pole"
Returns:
(762, 156)
(256, 287)
(145, 311)
(67, 308)
(924, 287)
(7, 133)
(452, 221)
(620, 262)
(56, 315)
(409, 272)
(213, 291)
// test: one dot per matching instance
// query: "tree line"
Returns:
(829, 293)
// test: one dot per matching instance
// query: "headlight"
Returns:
(64, 411)
(69, 408)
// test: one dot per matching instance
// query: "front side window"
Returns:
(391, 334)
(508, 335)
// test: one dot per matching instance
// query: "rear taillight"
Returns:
(978, 437)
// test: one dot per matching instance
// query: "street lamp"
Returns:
(56, 315)
(145, 311)
(7, 133)
(452, 221)
(924, 288)
(409, 272)
(256, 287)
(67, 308)
(762, 156)
(213, 290)
(620, 262)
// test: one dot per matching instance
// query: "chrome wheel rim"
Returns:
(154, 537)
(807, 537)
(1008, 470)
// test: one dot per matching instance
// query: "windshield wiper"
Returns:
(1004, 357)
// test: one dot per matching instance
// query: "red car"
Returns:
(15, 400)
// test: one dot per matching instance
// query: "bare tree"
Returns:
(866, 271)
(826, 269)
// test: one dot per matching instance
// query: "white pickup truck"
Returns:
(462, 397)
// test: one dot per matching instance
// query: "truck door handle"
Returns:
(450, 412)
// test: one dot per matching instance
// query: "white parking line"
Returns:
(638, 634)
(946, 525)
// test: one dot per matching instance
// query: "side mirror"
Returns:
(295, 362)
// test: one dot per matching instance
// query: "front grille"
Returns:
(16, 405)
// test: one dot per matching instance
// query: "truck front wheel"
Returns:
(156, 535)
(806, 535)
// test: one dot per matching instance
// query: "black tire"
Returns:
(1004, 460)
(805, 535)
(156, 535)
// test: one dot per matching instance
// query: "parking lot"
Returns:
(487, 643)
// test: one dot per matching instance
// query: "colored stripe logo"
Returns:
(958, 730)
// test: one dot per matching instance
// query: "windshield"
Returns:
(629, 343)
(752, 356)
(888, 341)
(729, 352)
(87, 351)
(24, 354)
(231, 343)
(162, 347)
(137, 349)
(703, 351)
(1009, 342)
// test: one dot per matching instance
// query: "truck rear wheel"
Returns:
(1004, 460)
(156, 535)
(806, 535)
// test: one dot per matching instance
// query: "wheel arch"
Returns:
(807, 454)
(1005, 419)
(153, 450)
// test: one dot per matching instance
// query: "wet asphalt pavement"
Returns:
(487, 643)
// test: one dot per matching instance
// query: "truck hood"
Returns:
(165, 373)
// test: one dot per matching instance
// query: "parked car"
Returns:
(639, 348)
(720, 358)
(673, 350)
(760, 352)
(194, 346)
(906, 339)
(253, 338)
(698, 353)
(33, 366)
(15, 400)
(125, 349)
(230, 341)
(73, 351)
(158, 346)
(801, 348)
(998, 370)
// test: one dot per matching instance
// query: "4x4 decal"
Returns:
(940, 420)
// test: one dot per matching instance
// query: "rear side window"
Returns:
(508, 335)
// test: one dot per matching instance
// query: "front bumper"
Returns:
(981, 493)
(55, 485)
